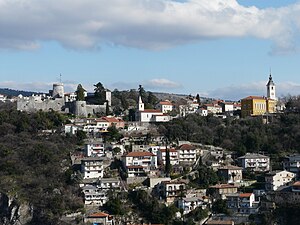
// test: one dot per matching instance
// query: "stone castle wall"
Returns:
(78, 108)
(36, 103)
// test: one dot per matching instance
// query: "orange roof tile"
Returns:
(245, 195)
(170, 150)
(253, 97)
(223, 186)
(296, 184)
(187, 147)
(112, 119)
(99, 214)
(165, 103)
(139, 154)
(135, 167)
(151, 111)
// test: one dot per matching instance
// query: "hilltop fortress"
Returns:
(60, 101)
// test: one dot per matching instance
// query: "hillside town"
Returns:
(124, 155)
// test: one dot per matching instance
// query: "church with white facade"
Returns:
(150, 115)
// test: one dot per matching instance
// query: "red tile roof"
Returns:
(135, 167)
(253, 97)
(170, 150)
(139, 154)
(296, 184)
(230, 167)
(219, 222)
(223, 186)
(187, 147)
(245, 195)
(165, 103)
(99, 215)
(112, 119)
(151, 111)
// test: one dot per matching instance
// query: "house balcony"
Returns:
(98, 168)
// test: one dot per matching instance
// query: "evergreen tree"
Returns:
(99, 93)
(80, 93)
(143, 94)
(168, 163)
(198, 99)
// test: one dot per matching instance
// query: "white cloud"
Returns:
(237, 92)
(121, 85)
(161, 83)
(43, 87)
(82, 24)
(157, 84)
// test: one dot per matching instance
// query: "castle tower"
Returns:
(271, 93)
(141, 106)
(58, 90)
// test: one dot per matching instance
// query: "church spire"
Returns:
(141, 105)
(271, 88)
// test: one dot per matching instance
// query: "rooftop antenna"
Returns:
(60, 78)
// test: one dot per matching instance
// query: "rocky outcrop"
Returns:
(12, 212)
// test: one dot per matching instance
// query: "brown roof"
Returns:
(296, 184)
(187, 147)
(245, 195)
(219, 222)
(112, 119)
(170, 150)
(173, 182)
(253, 97)
(230, 167)
(99, 214)
(165, 103)
(135, 167)
(151, 110)
(223, 186)
(101, 120)
(139, 154)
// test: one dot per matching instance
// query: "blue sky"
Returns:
(217, 48)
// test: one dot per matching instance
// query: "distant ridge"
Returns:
(12, 93)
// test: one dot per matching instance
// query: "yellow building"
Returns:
(257, 105)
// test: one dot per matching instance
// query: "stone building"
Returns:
(58, 100)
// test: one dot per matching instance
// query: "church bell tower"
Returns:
(271, 93)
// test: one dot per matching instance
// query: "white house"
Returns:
(149, 115)
(3, 98)
(202, 111)
(189, 203)
(72, 129)
(139, 163)
(154, 149)
(220, 191)
(187, 154)
(242, 203)
(213, 108)
(292, 163)
(255, 162)
(165, 106)
(277, 179)
(95, 125)
(92, 167)
(94, 196)
(99, 218)
(161, 156)
(95, 149)
(231, 174)
(109, 183)
(171, 190)
(227, 106)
